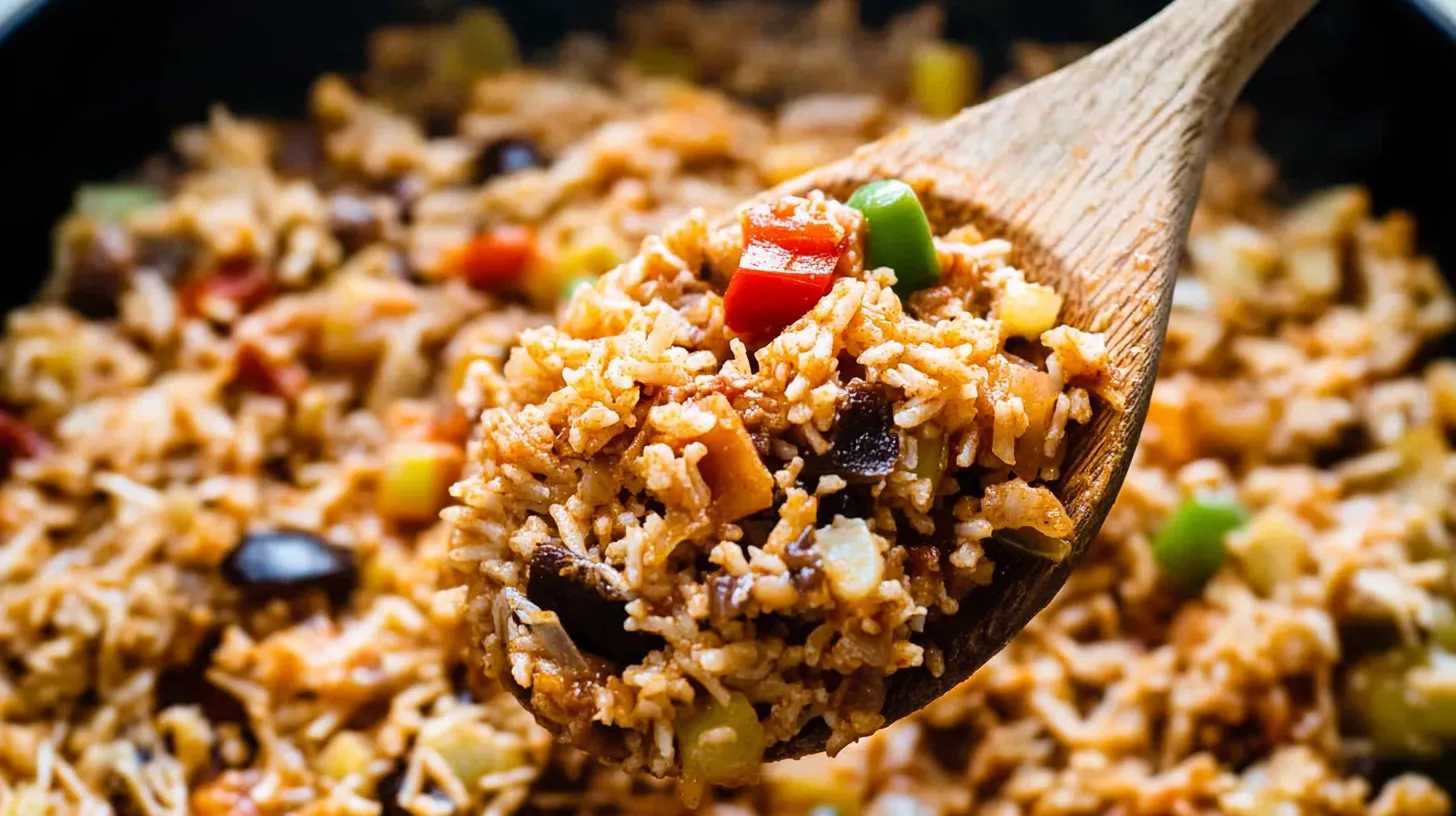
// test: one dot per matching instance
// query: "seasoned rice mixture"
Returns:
(233, 422)
(684, 511)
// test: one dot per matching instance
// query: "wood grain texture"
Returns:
(1093, 173)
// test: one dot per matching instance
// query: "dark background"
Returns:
(89, 87)
(1360, 92)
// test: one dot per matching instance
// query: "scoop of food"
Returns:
(730, 488)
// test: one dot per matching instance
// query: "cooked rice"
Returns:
(631, 435)
(135, 678)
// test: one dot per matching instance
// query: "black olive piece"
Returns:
(100, 274)
(287, 563)
(590, 611)
(866, 446)
(354, 220)
(506, 156)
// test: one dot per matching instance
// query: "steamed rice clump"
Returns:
(145, 435)
(775, 520)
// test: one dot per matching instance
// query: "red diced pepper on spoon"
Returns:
(789, 257)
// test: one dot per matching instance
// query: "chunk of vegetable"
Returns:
(663, 61)
(852, 558)
(740, 482)
(495, 259)
(866, 443)
(415, 483)
(787, 265)
(113, 202)
(814, 784)
(348, 753)
(944, 77)
(1271, 550)
(474, 750)
(1405, 700)
(721, 744)
(930, 458)
(1028, 309)
(485, 42)
(1190, 548)
(898, 234)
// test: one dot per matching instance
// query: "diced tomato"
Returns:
(257, 372)
(787, 265)
(245, 282)
(494, 259)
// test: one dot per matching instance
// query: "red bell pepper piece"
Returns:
(789, 257)
(245, 282)
(19, 440)
(494, 259)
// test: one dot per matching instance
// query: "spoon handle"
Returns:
(1214, 46)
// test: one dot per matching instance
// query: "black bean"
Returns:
(504, 157)
(866, 445)
(287, 563)
(591, 611)
(100, 272)
(354, 220)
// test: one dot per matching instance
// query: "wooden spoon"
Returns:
(1093, 173)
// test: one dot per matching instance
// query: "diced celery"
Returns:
(721, 744)
(113, 202)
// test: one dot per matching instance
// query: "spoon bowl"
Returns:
(1093, 174)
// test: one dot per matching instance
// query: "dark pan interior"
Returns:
(90, 87)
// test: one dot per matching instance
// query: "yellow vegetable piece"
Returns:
(930, 458)
(347, 754)
(1405, 700)
(1028, 309)
(721, 744)
(416, 480)
(740, 483)
(800, 786)
(485, 42)
(663, 61)
(1271, 550)
(944, 77)
(475, 750)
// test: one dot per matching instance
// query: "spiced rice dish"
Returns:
(273, 357)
